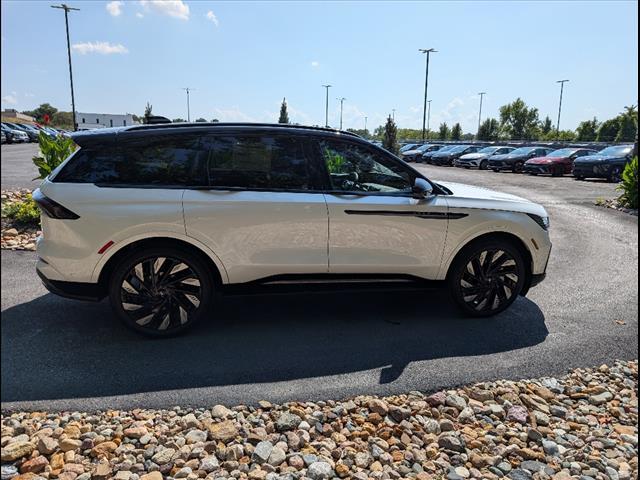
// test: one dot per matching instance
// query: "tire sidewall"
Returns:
(460, 263)
(193, 261)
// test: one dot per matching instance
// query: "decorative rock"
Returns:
(287, 421)
(262, 452)
(16, 450)
(518, 413)
(319, 471)
(223, 431)
(47, 445)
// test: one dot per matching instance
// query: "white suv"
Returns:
(161, 218)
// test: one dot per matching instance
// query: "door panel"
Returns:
(386, 234)
(259, 234)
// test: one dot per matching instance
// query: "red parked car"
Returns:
(556, 163)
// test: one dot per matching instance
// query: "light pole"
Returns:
(365, 124)
(393, 114)
(428, 115)
(561, 82)
(67, 9)
(187, 89)
(341, 99)
(482, 94)
(326, 106)
(426, 86)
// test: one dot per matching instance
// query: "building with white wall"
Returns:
(90, 121)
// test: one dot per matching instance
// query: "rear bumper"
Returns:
(75, 290)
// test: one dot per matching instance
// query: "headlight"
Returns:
(542, 221)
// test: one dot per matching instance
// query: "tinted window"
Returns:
(353, 168)
(258, 162)
(169, 161)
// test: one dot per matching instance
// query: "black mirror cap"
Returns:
(421, 188)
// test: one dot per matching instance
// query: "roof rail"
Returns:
(237, 124)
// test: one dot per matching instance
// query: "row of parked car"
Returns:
(22, 132)
(582, 162)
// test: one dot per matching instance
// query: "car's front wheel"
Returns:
(487, 277)
(615, 175)
(161, 291)
(483, 165)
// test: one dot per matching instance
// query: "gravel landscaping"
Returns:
(16, 236)
(613, 203)
(582, 426)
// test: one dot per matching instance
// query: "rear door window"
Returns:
(258, 162)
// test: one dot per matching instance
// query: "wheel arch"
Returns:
(214, 263)
(505, 236)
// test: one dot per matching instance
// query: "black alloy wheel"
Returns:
(161, 292)
(483, 165)
(557, 171)
(615, 175)
(487, 278)
(517, 167)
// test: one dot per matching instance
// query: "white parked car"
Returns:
(161, 218)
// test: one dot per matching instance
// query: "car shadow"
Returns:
(54, 348)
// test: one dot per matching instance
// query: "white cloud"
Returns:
(233, 114)
(315, 64)
(11, 99)
(103, 48)
(139, 15)
(114, 8)
(29, 95)
(173, 8)
(212, 16)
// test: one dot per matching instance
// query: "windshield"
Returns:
(522, 150)
(618, 150)
(410, 146)
(488, 149)
(563, 152)
(423, 148)
(446, 148)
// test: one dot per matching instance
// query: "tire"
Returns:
(483, 165)
(517, 167)
(181, 294)
(495, 170)
(578, 177)
(557, 171)
(615, 175)
(497, 284)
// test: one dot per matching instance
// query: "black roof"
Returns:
(105, 135)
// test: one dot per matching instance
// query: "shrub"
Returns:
(629, 185)
(53, 151)
(23, 211)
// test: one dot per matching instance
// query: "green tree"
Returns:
(629, 185)
(52, 152)
(628, 125)
(62, 119)
(519, 121)
(608, 130)
(214, 120)
(136, 118)
(587, 131)
(456, 132)
(361, 131)
(390, 139)
(284, 115)
(178, 120)
(443, 131)
(489, 130)
(546, 125)
(409, 134)
(201, 120)
(378, 133)
(148, 112)
(41, 111)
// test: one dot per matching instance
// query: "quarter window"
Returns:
(353, 168)
(164, 162)
(258, 162)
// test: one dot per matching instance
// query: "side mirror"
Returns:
(422, 188)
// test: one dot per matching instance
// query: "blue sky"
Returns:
(242, 58)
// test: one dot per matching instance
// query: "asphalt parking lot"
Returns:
(61, 354)
(16, 168)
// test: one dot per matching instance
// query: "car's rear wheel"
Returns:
(487, 277)
(517, 167)
(615, 175)
(578, 177)
(483, 165)
(160, 291)
(495, 170)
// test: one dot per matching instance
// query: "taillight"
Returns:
(52, 209)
